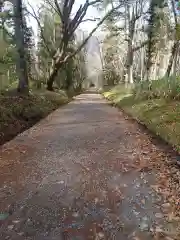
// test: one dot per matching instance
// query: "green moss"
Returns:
(159, 115)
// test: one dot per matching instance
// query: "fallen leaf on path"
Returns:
(159, 215)
(21, 233)
(155, 187)
(172, 217)
(10, 227)
(143, 201)
(169, 238)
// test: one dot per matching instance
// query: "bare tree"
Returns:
(69, 25)
(133, 13)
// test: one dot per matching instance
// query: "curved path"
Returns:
(85, 172)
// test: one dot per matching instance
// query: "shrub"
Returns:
(168, 88)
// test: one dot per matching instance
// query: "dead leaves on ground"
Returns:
(12, 154)
(147, 157)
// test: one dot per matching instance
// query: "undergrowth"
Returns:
(18, 113)
(154, 104)
(167, 88)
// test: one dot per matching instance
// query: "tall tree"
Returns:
(21, 65)
(144, 35)
(176, 38)
(154, 25)
(69, 25)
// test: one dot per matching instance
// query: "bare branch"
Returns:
(65, 14)
(34, 15)
(90, 20)
(70, 6)
(55, 8)
(78, 18)
(58, 9)
(92, 32)
(94, 2)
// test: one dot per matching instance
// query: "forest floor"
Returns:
(87, 171)
(18, 113)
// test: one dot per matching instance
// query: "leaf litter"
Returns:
(146, 159)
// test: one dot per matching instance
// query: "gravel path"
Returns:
(85, 172)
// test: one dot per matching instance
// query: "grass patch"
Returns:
(167, 88)
(161, 116)
(117, 93)
(21, 112)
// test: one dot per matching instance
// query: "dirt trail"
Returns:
(85, 172)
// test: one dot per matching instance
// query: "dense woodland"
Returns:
(56, 58)
(141, 43)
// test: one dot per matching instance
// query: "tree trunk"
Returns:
(69, 79)
(130, 54)
(171, 59)
(1, 5)
(21, 66)
(53, 74)
(56, 65)
(51, 79)
(130, 62)
(130, 75)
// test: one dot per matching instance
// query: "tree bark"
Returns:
(50, 81)
(69, 76)
(53, 74)
(171, 59)
(130, 62)
(21, 65)
(131, 18)
(1, 5)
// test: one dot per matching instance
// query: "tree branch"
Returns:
(40, 27)
(58, 9)
(94, 2)
(90, 20)
(55, 8)
(92, 32)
